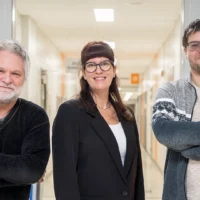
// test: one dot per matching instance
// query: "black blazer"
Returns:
(86, 158)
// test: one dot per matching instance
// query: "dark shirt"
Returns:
(1, 120)
(24, 149)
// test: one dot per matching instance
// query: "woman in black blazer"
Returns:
(96, 152)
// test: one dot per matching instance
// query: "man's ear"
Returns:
(186, 52)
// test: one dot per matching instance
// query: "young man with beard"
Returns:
(176, 124)
(24, 128)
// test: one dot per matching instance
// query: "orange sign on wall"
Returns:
(135, 78)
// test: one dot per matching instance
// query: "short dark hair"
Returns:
(192, 28)
(96, 49)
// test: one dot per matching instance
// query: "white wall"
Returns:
(165, 66)
(171, 58)
(43, 56)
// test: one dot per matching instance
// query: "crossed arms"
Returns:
(29, 166)
(182, 136)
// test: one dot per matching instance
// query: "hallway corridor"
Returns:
(152, 175)
(153, 178)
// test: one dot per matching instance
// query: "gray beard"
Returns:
(7, 101)
(10, 98)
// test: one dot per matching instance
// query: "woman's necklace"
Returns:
(105, 107)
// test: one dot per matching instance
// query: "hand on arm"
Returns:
(42, 178)
(192, 153)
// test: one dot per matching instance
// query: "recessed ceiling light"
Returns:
(104, 15)
(111, 44)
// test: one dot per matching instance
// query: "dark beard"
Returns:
(195, 67)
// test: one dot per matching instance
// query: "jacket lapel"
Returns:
(103, 130)
(130, 144)
(101, 127)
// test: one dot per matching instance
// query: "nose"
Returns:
(198, 49)
(6, 79)
(98, 70)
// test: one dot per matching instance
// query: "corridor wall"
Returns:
(165, 66)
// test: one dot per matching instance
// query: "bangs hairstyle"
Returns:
(96, 49)
(101, 49)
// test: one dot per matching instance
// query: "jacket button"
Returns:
(124, 193)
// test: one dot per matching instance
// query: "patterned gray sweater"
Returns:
(172, 125)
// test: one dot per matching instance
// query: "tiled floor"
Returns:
(152, 175)
(153, 178)
(48, 191)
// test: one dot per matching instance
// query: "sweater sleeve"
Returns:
(29, 166)
(65, 147)
(4, 183)
(171, 128)
(192, 153)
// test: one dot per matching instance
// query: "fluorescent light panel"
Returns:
(104, 15)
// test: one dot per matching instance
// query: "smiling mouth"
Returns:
(100, 78)
(6, 88)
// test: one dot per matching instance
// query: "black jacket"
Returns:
(24, 149)
(86, 158)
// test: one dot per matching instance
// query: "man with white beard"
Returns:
(24, 128)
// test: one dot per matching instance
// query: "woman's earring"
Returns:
(114, 76)
(85, 78)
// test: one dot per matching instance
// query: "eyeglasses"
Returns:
(194, 46)
(104, 66)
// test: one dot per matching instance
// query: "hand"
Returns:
(42, 178)
(192, 153)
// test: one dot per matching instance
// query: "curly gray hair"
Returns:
(14, 47)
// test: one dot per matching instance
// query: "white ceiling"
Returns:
(139, 30)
